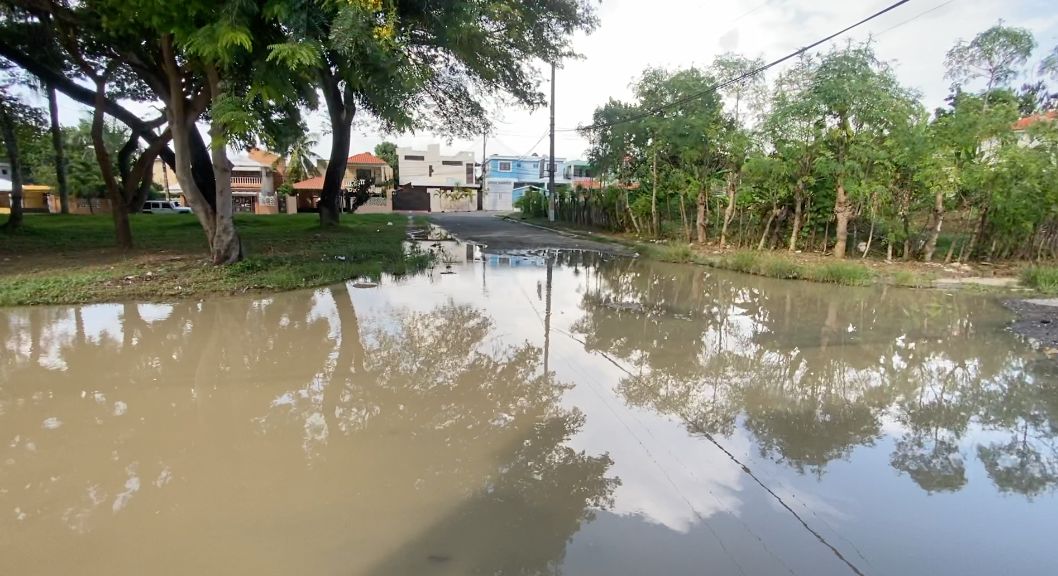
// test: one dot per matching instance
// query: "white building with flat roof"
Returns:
(430, 167)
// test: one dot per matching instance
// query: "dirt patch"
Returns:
(1037, 320)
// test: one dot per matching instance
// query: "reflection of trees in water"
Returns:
(394, 415)
(814, 371)
(423, 384)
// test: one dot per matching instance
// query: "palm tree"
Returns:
(301, 160)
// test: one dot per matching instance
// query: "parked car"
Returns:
(164, 207)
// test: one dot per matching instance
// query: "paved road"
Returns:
(499, 234)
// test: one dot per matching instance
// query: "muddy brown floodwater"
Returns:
(539, 413)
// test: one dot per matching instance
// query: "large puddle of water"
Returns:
(533, 414)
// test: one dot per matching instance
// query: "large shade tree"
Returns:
(421, 64)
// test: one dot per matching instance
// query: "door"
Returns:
(411, 199)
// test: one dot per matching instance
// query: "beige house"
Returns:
(431, 168)
(253, 185)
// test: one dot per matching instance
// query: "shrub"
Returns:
(1042, 278)
(845, 273)
(675, 252)
(781, 268)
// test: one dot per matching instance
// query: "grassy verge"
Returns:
(771, 264)
(1042, 278)
(778, 266)
(71, 259)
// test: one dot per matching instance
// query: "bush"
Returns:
(741, 262)
(675, 252)
(1042, 278)
(780, 268)
(910, 279)
(845, 273)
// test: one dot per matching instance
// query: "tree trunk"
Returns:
(60, 156)
(227, 247)
(187, 145)
(841, 216)
(341, 108)
(978, 231)
(118, 208)
(683, 219)
(7, 128)
(700, 221)
(938, 221)
(654, 223)
(870, 236)
(798, 201)
(729, 211)
(136, 185)
(767, 226)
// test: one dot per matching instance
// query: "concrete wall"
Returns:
(498, 195)
(377, 205)
(419, 172)
(441, 200)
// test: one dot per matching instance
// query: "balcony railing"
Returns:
(246, 181)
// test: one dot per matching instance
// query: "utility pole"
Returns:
(547, 313)
(551, 156)
(481, 180)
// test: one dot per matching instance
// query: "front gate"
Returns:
(411, 199)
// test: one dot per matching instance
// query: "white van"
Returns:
(164, 207)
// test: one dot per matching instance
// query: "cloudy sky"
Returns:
(636, 34)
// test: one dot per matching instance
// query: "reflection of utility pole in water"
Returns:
(547, 313)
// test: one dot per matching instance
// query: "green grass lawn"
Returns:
(72, 259)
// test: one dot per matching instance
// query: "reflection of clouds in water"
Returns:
(76, 518)
(102, 321)
(154, 312)
(132, 486)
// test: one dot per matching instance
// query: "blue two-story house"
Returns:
(507, 178)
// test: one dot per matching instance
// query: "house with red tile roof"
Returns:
(362, 166)
(1024, 123)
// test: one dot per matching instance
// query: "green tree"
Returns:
(994, 55)
(744, 100)
(388, 152)
(413, 64)
(19, 123)
(300, 160)
(794, 129)
(861, 100)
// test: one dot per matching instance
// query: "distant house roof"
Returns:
(246, 163)
(1027, 121)
(267, 158)
(310, 184)
(366, 158)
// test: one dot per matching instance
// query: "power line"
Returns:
(913, 18)
(740, 77)
(748, 12)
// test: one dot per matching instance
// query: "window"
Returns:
(451, 163)
(414, 158)
(363, 174)
(3, 171)
(505, 167)
(470, 173)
